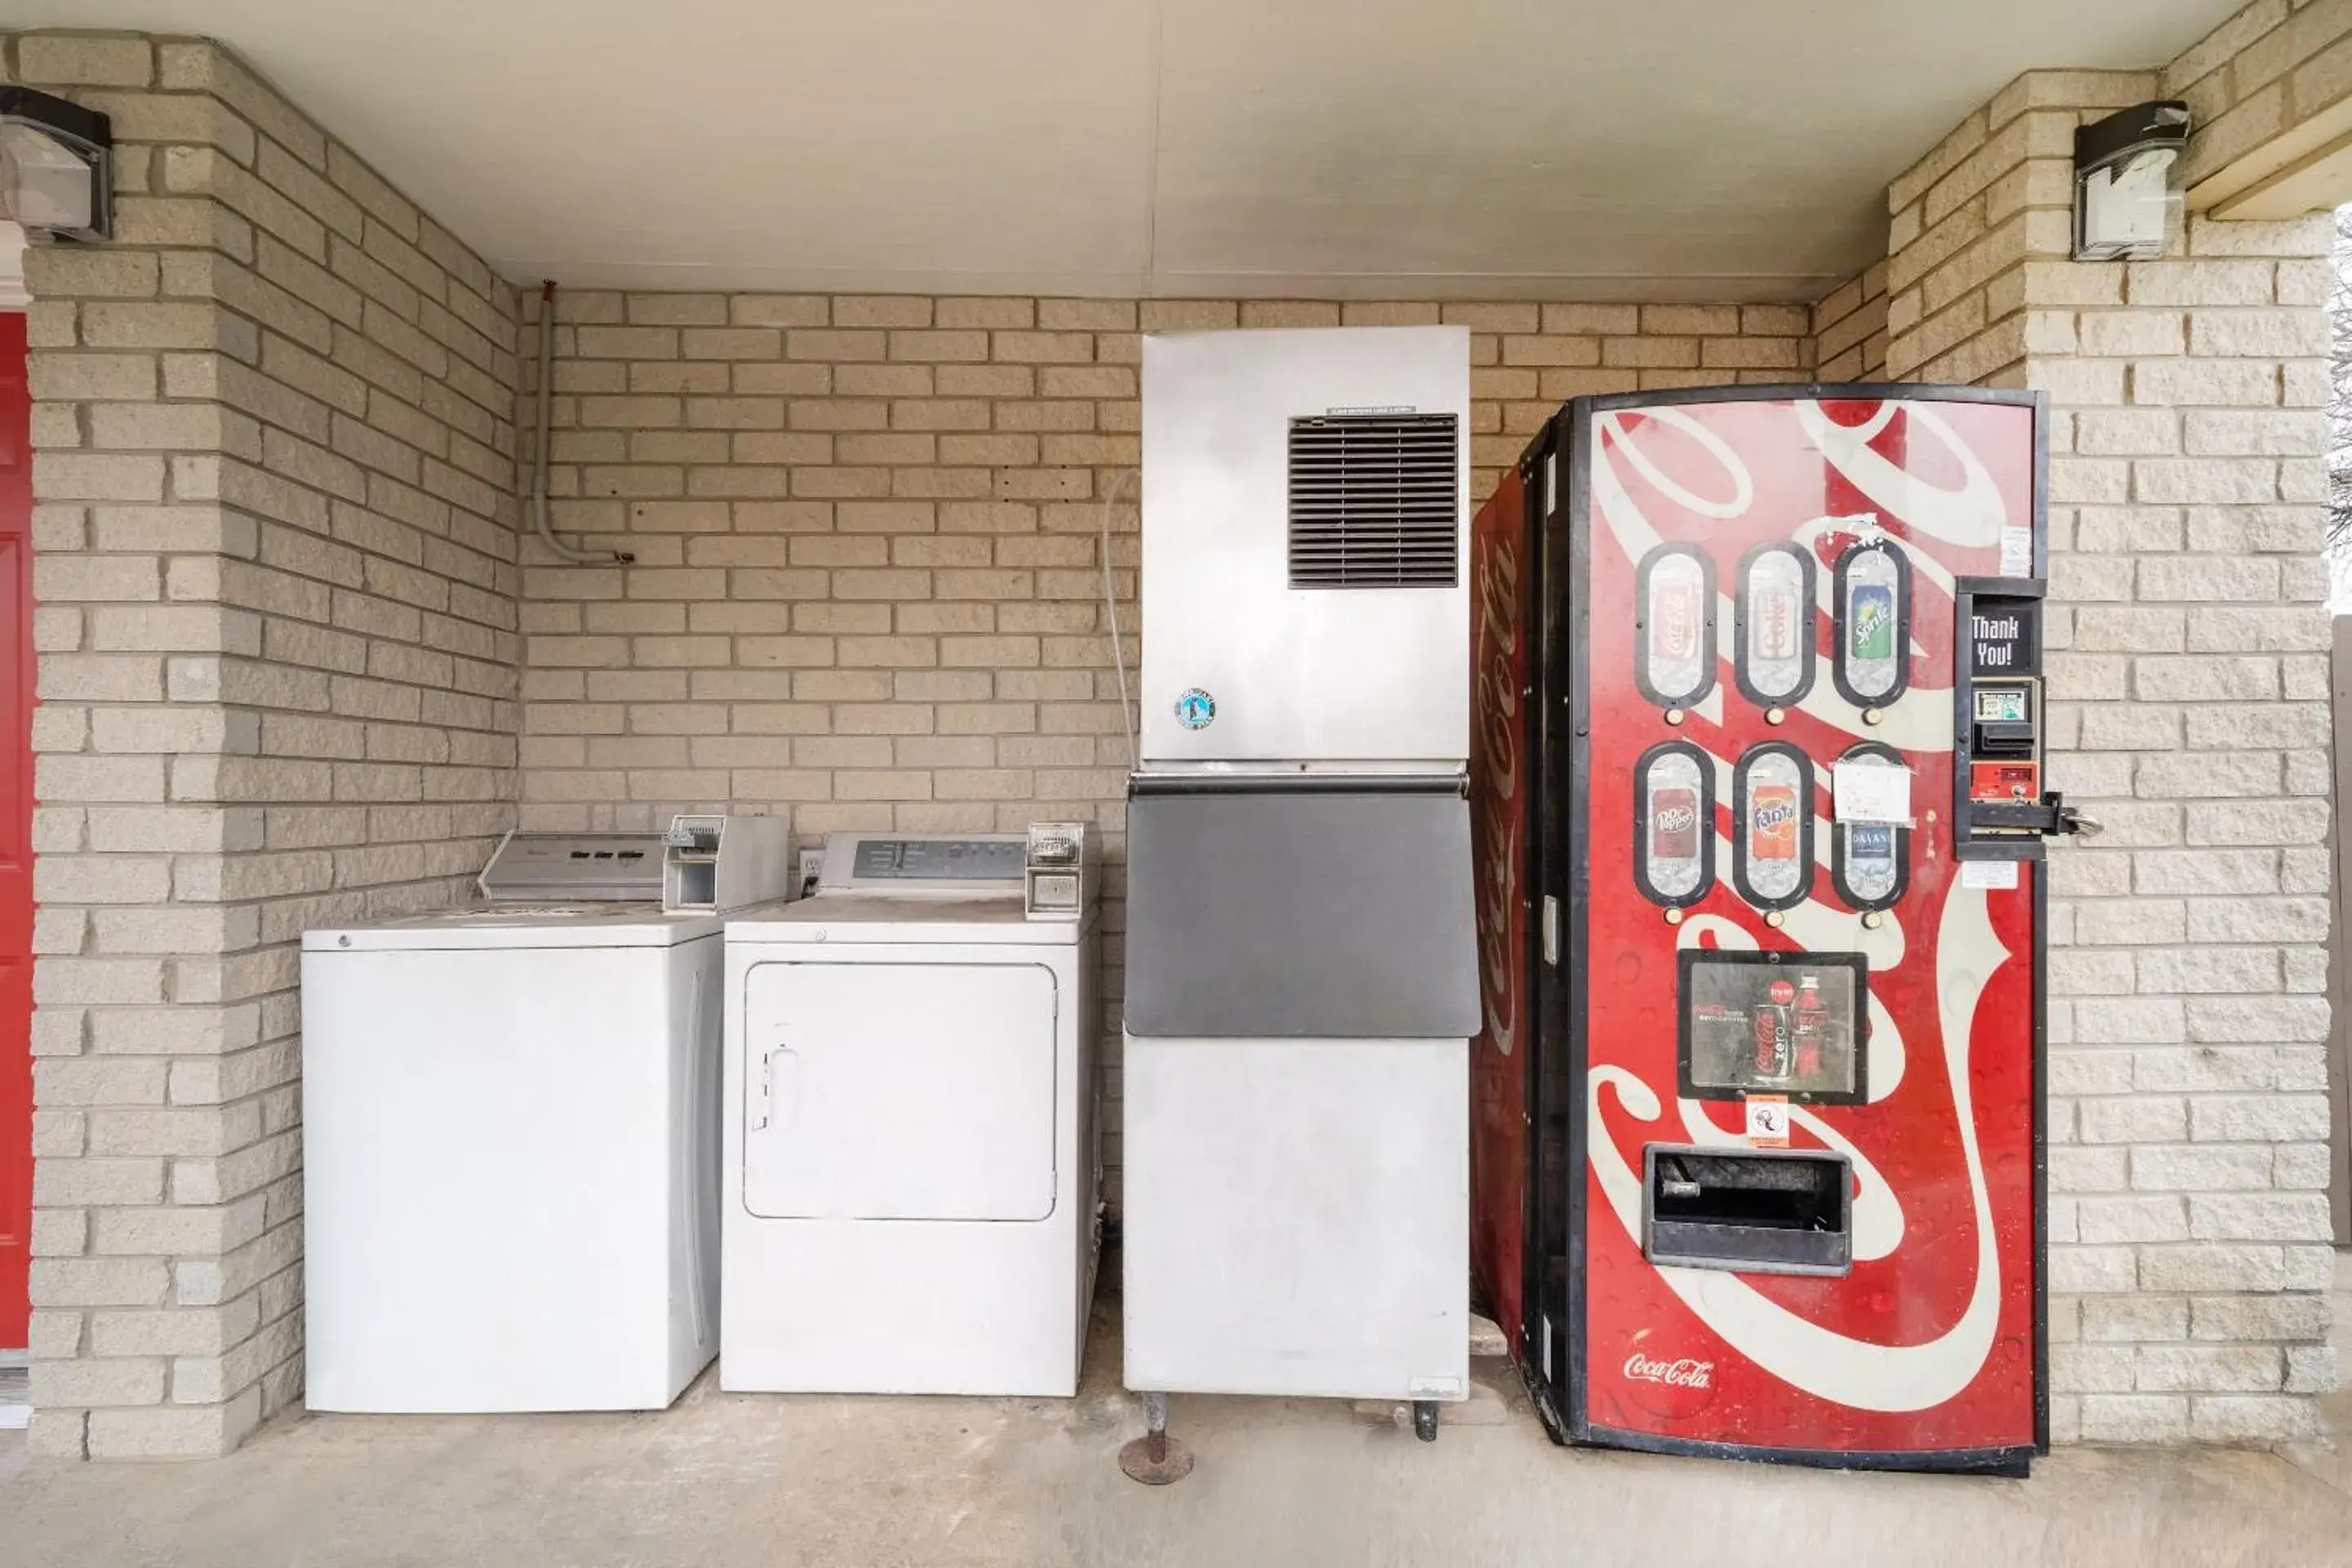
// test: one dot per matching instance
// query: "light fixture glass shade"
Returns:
(2128, 210)
(43, 182)
(2127, 169)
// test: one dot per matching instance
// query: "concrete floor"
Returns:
(727, 1478)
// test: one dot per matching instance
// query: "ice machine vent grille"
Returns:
(1375, 500)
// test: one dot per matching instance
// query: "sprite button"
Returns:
(1870, 634)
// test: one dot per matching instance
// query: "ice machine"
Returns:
(1301, 976)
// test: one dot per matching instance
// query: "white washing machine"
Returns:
(510, 1121)
(910, 1149)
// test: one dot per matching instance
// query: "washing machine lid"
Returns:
(933, 918)
(514, 927)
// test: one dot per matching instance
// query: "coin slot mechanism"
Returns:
(1758, 1211)
(1999, 811)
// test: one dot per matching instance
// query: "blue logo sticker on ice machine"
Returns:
(1195, 708)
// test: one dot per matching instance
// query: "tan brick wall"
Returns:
(1849, 329)
(274, 555)
(2188, 1224)
(866, 530)
(2273, 67)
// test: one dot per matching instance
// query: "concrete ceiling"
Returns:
(1567, 149)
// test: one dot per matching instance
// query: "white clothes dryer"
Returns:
(911, 1158)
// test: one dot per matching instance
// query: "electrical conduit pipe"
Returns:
(538, 468)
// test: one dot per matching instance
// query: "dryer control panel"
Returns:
(1052, 868)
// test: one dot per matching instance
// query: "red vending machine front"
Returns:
(1765, 941)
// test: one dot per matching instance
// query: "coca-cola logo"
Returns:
(1497, 820)
(1686, 1372)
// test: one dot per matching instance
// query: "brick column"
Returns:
(2189, 1225)
(273, 542)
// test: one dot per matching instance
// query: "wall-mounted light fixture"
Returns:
(54, 157)
(2128, 181)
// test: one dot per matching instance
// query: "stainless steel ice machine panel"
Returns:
(1282, 471)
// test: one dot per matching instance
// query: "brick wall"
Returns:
(274, 555)
(1849, 329)
(866, 530)
(2189, 1225)
(2259, 83)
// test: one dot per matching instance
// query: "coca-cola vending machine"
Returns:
(1758, 820)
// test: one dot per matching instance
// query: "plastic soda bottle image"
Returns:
(1775, 1054)
(1811, 1026)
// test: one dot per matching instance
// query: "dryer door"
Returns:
(898, 1090)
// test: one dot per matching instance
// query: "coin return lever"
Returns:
(1758, 1211)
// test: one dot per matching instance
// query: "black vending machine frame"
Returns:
(1550, 1339)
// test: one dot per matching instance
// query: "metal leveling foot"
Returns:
(1156, 1458)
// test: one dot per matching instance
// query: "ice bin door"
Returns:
(1300, 912)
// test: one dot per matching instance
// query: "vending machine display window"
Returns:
(1772, 826)
(1789, 1024)
(1773, 619)
(1673, 828)
(1872, 662)
(1870, 862)
(1674, 591)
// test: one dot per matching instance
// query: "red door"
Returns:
(16, 833)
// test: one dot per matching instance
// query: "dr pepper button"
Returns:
(1776, 715)
(1673, 917)
(1674, 715)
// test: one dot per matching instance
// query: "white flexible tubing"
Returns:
(1110, 610)
(538, 468)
